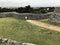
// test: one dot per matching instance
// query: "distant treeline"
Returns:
(28, 9)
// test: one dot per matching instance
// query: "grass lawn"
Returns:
(22, 31)
(46, 21)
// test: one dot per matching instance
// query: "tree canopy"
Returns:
(28, 9)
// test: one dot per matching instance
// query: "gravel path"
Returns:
(48, 26)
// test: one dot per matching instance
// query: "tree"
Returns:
(28, 9)
(20, 10)
(51, 9)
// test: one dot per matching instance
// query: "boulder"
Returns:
(13, 42)
(4, 40)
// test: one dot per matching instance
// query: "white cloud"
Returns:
(34, 3)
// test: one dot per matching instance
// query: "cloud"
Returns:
(34, 3)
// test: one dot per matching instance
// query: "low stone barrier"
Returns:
(29, 16)
(55, 18)
(13, 42)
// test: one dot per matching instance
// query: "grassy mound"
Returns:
(22, 31)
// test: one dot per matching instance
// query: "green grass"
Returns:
(48, 22)
(22, 31)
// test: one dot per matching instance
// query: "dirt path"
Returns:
(48, 26)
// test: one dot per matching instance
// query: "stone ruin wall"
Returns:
(23, 15)
(55, 17)
(57, 10)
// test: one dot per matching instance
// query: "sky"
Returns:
(33, 3)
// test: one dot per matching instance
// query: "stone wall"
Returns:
(23, 15)
(32, 17)
(55, 17)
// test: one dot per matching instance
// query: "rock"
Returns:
(28, 44)
(55, 18)
(0, 40)
(4, 40)
(13, 42)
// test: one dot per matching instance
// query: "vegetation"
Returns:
(48, 22)
(22, 31)
(6, 9)
(28, 9)
(46, 9)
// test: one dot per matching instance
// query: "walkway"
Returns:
(48, 26)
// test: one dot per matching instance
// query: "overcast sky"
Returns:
(33, 3)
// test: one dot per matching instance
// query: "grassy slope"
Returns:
(23, 31)
(46, 21)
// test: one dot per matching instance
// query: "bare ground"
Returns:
(48, 26)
